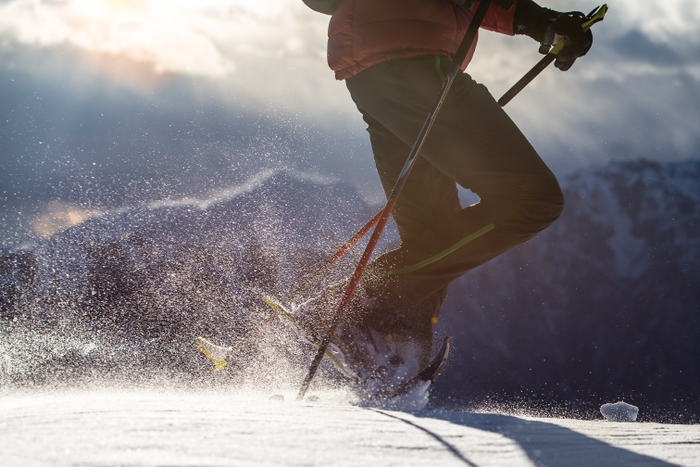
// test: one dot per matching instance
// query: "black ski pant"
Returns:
(474, 144)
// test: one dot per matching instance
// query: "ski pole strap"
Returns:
(438, 68)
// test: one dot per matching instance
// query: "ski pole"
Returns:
(396, 191)
(593, 17)
(336, 256)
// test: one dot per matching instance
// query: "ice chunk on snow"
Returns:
(619, 412)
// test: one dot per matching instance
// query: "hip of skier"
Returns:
(393, 56)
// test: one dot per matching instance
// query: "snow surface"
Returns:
(168, 428)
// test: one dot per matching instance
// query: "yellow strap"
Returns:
(444, 253)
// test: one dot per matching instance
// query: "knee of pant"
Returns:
(531, 207)
(547, 203)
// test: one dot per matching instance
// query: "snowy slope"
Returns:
(169, 428)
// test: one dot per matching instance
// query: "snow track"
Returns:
(138, 428)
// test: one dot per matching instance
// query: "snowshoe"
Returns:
(381, 366)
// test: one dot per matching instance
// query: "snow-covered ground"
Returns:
(171, 428)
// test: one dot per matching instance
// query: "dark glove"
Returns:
(578, 41)
(548, 26)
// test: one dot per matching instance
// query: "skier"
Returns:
(393, 56)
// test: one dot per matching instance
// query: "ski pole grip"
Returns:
(596, 16)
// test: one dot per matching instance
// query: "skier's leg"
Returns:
(429, 198)
(476, 144)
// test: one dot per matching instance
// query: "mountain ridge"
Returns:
(601, 305)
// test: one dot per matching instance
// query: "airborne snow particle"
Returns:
(619, 412)
(277, 397)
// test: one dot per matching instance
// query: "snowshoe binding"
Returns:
(381, 366)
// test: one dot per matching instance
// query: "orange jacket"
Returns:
(363, 33)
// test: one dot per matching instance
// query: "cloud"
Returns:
(662, 21)
(631, 96)
(263, 53)
(202, 38)
(634, 95)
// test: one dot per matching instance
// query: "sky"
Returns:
(110, 103)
